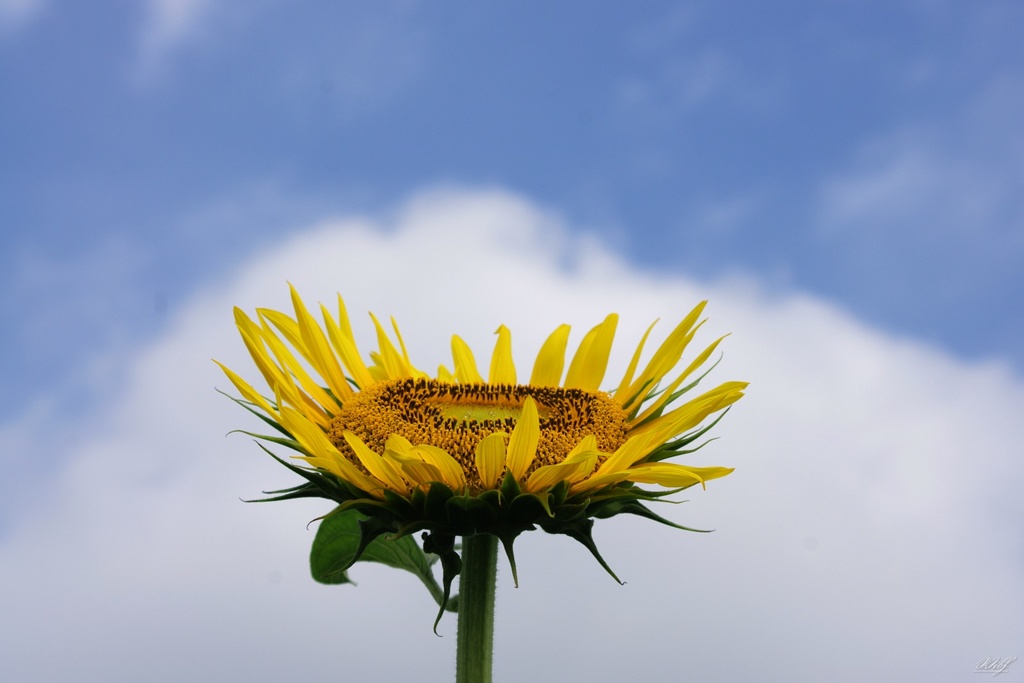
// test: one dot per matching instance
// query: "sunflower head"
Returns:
(456, 454)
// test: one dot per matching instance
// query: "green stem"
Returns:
(475, 643)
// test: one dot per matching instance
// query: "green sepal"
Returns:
(399, 505)
(662, 454)
(508, 539)
(280, 440)
(559, 492)
(434, 504)
(697, 381)
(370, 528)
(413, 526)
(656, 414)
(640, 392)
(527, 508)
(330, 488)
(492, 498)
(639, 509)
(443, 545)
(249, 406)
(306, 490)
(581, 531)
(368, 507)
(418, 498)
(329, 392)
(672, 448)
(566, 513)
(638, 493)
(470, 513)
(509, 488)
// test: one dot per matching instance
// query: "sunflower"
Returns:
(457, 454)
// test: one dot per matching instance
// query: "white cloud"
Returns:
(866, 534)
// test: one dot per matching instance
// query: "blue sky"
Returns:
(854, 168)
(868, 152)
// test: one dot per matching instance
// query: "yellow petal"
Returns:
(377, 465)
(591, 360)
(348, 352)
(585, 463)
(393, 362)
(413, 372)
(522, 444)
(247, 392)
(276, 373)
(343, 322)
(320, 398)
(445, 375)
(414, 469)
(324, 464)
(587, 443)
(285, 325)
(421, 473)
(665, 358)
(545, 477)
(627, 379)
(465, 364)
(316, 443)
(691, 413)
(571, 469)
(377, 369)
(399, 444)
(635, 448)
(547, 369)
(252, 337)
(598, 481)
(666, 395)
(503, 370)
(414, 465)
(352, 359)
(451, 471)
(490, 458)
(672, 475)
(320, 355)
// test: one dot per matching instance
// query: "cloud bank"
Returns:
(867, 533)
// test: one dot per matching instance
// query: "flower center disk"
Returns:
(456, 417)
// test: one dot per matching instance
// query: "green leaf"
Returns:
(337, 543)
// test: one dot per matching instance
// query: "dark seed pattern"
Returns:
(416, 409)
